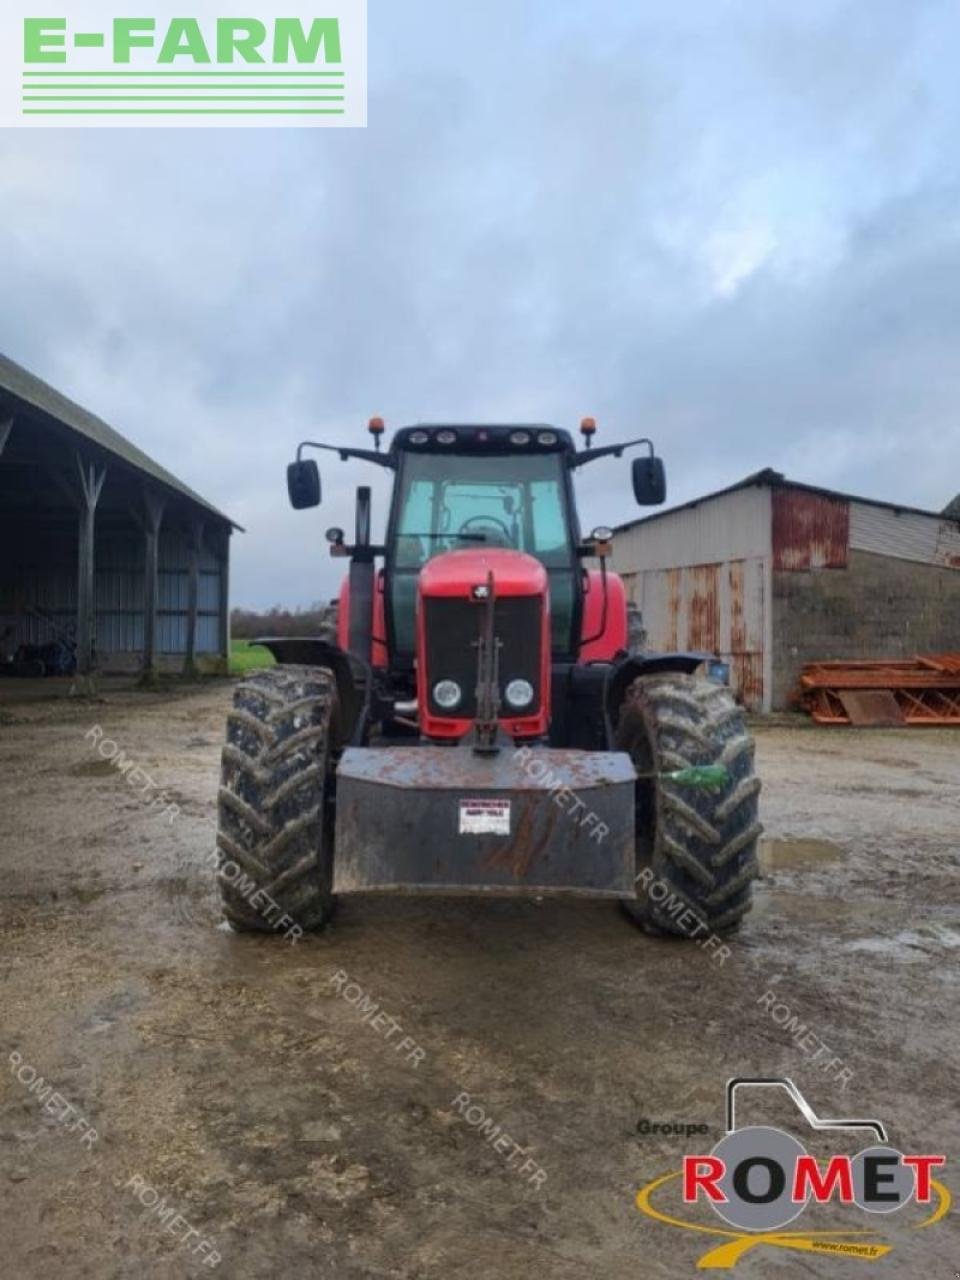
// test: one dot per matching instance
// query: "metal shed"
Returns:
(771, 573)
(100, 546)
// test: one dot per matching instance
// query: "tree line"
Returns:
(248, 624)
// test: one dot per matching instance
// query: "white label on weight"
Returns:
(484, 817)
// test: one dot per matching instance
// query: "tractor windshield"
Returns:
(451, 501)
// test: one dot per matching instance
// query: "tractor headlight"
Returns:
(519, 693)
(447, 694)
(519, 437)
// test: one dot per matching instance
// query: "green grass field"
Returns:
(244, 657)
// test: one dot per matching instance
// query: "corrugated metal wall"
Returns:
(709, 576)
(810, 530)
(904, 535)
(45, 575)
(700, 577)
(718, 608)
(120, 595)
(732, 526)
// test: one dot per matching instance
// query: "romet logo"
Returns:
(183, 62)
(759, 1179)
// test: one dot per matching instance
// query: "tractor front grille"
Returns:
(452, 628)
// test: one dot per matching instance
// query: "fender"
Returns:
(354, 677)
(623, 673)
(603, 630)
(378, 648)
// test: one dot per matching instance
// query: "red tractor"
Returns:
(478, 716)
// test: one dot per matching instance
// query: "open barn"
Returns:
(107, 561)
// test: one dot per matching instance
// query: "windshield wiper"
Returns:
(464, 537)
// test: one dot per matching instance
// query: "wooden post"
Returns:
(153, 515)
(91, 482)
(193, 597)
(225, 601)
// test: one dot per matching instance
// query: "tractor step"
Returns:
(523, 821)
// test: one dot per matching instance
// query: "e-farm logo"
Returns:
(183, 62)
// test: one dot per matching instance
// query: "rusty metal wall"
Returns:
(700, 575)
(732, 572)
(719, 607)
(809, 530)
(731, 526)
(905, 535)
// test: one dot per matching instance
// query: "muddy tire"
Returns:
(700, 846)
(327, 628)
(636, 631)
(274, 831)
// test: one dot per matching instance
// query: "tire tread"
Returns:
(280, 731)
(704, 844)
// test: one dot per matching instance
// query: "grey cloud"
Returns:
(733, 227)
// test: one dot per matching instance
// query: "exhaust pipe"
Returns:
(362, 581)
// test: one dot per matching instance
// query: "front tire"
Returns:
(696, 849)
(275, 828)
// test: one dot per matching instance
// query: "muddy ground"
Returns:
(227, 1076)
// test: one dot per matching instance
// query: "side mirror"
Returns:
(303, 484)
(649, 481)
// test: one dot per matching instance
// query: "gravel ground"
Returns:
(231, 1077)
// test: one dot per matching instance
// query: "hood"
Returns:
(454, 573)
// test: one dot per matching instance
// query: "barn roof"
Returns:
(39, 395)
(770, 479)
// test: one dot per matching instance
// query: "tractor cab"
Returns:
(482, 488)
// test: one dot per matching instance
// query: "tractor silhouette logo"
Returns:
(758, 1180)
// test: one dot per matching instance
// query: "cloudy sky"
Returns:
(734, 226)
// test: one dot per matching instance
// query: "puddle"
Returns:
(85, 893)
(891, 764)
(907, 793)
(793, 853)
(772, 908)
(93, 768)
(96, 1024)
(927, 941)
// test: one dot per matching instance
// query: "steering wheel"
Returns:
(487, 520)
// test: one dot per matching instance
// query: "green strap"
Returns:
(704, 777)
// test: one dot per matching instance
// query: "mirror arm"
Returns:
(609, 450)
(365, 553)
(366, 455)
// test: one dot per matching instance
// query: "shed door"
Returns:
(715, 608)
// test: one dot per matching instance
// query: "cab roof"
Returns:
(482, 437)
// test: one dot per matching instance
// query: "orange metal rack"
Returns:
(915, 691)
